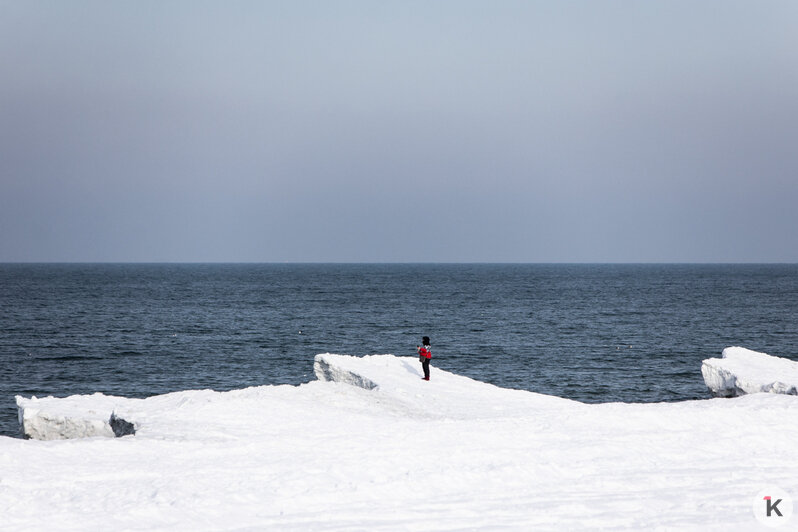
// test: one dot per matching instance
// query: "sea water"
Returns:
(594, 333)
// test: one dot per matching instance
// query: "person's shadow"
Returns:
(413, 369)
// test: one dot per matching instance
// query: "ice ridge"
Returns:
(741, 371)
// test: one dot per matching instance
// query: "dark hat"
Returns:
(425, 340)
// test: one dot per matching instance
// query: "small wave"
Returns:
(686, 374)
(68, 358)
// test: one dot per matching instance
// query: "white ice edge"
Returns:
(454, 396)
(742, 371)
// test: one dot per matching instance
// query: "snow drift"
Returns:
(742, 371)
(398, 388)
(397, 380)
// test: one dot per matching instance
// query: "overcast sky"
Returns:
(443, 131)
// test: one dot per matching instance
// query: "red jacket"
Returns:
(425, 352)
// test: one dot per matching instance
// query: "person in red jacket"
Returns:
(424, 354)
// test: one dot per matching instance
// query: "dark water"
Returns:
(594, 333)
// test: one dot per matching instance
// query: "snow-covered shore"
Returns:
(401, 453)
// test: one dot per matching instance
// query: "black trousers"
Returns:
(425, 365)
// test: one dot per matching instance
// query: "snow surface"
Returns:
(742, 371)
(406, 454)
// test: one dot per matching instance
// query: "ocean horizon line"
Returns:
(411, 263)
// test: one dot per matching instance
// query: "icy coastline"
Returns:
(371, 446)
(741, 371)
(452, 397)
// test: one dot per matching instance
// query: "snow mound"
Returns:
(398, 386)
(178, 415)
(77, 416)
(393, 384)
(742, 371)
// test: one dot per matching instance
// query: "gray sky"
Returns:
(449, 131)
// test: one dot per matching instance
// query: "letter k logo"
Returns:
(772, 506)
(776, 512)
